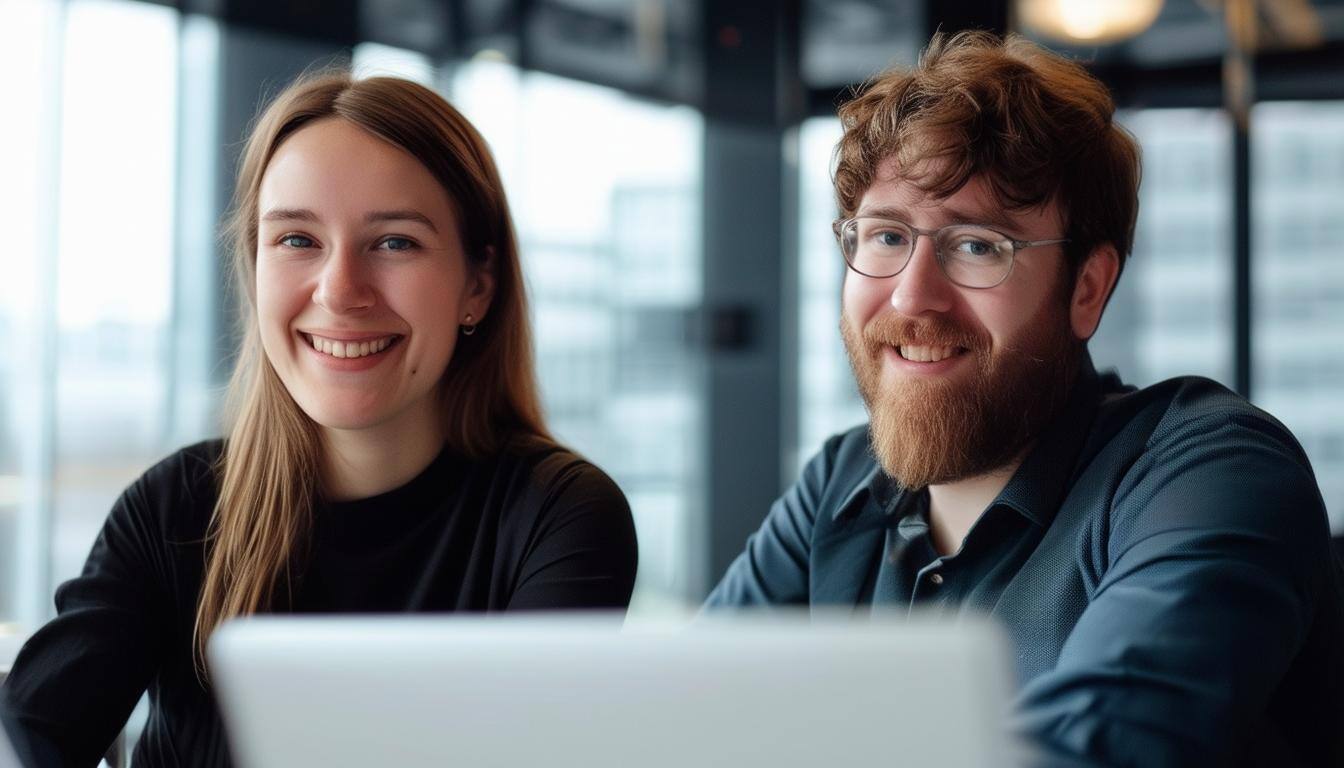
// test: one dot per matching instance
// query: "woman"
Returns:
(386, 450)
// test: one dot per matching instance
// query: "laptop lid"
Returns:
(559, 690)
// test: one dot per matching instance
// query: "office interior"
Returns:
(668, 165)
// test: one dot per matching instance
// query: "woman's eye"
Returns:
(296, 241)
(397, 244)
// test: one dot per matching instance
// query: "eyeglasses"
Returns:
(971, 255)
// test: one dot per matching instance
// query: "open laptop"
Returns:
(561, 690)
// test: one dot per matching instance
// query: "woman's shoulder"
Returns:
(186, 472)
(545, 481)
(177, 494)
(549, 467)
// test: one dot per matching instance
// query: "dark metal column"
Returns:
(254, 66)
(751, 95)
(1239, 92)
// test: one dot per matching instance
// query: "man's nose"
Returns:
(922, 287)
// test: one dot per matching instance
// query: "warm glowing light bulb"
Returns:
(1088, 21)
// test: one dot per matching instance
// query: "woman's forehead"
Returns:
(333, 168)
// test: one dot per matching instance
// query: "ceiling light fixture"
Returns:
(1091, 22)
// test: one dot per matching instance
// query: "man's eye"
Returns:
(296, 241)
(976, 248)
(397, 244)
(890, 239)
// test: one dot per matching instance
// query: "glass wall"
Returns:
(113, 251)
(29, 59)
(89, 282)
(1298, 279)
(606, 195)
(828, 401)
(104, 201)
(1171, 314)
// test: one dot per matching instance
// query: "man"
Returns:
(1161, 557)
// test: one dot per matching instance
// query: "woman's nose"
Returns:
(343, 286)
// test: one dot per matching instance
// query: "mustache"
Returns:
(894, 330)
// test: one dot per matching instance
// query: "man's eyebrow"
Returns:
(951, 216)
(304, 214)
(885, 212)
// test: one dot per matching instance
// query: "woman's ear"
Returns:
(1093, 286)
(480, 285)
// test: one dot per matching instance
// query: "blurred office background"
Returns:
(668, 163)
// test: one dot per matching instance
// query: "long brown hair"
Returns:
(1038, 126)
(268, 473)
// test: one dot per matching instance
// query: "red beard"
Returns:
(928, 431)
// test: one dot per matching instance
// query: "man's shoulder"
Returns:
(845, 456)
(1187, 408)
(837, 475)
(849, 445)
(1188, 453)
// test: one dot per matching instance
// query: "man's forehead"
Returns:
(898, 187)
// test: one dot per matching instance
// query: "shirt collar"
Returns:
(1039, 484)
(871, 481)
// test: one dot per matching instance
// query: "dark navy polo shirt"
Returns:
(1161, 561)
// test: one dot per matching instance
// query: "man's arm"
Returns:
(773, 569)
(1218, 550)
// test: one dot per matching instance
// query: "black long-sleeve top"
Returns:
(534, 529)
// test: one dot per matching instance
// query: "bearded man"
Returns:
(1160, 558)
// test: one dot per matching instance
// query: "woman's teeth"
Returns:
(349, 348)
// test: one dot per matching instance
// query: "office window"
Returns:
(29, 48)
(1171, 314)
(1298, 280)
(89, 157)
(114, 256)
(374, 59)
(605, 191)
(828, 400)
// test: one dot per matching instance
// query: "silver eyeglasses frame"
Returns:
(839, 225)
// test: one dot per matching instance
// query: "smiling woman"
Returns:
(385, 450)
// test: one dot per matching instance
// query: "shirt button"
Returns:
(936, 578)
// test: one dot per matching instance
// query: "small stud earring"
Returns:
(468, 327)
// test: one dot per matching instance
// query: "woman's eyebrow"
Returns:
(289, 214)
(404, 214)
(304, 214)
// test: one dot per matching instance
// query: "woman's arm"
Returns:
(76, 680)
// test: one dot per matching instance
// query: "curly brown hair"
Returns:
(1038, 127)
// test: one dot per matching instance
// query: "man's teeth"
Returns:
(349, 348)
(926, 354)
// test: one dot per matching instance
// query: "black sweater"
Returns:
(536, 529)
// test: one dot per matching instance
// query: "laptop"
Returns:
(561, 690)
